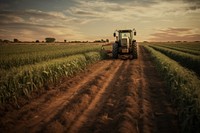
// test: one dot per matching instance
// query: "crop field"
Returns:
(25, 68)
(75, 89)
(180, 65)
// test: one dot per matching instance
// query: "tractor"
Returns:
(125, 44)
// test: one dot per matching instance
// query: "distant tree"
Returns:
(49, 39)
(97, 41)
(15, 40)
(1, 40)
(37, 41)
(107, 40)
(6, 41)
(65, 40)
(76, 41)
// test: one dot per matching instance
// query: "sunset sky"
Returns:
(154, 20)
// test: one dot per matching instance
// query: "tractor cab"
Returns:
(123, 35)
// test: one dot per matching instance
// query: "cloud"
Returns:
(82, 12)
(32, 32)
(10, 18)
(36, 24)
(135, 3)
(100, 10)
(78, 19)
(33, 16)
(177, 30)
(128, 10)
(175, 34)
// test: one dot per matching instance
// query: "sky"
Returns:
(154, 20)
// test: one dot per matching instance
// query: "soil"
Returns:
(123, 96)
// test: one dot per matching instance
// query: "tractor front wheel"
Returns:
(115, 49)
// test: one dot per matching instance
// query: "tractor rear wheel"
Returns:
(115, 49)
(135, 51)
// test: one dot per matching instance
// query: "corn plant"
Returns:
(9, 60)
(22, 81)
(185, 50)
(184, 90)
(190, 61)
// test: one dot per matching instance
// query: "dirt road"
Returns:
(126, 96)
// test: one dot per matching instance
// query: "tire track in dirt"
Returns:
(79, 92)
(119, 110)
(73, 114)
(137, 103)
(124, 96)
(158, 114)
(42, 109)
(109, 79)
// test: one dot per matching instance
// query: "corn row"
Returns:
(8, 61)
(192, 46)
(195, 46)
(34, 48)
(193, 52)
(184, 89)
(187, 60)
(23, 81)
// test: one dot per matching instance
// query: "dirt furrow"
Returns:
(74, 105)
(158, 115)
(82, 104)
(117, 112)
(124, 96)
(134, 104)
(109, 79)
(43, 109)
(77, 98)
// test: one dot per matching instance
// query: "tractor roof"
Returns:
(124, 30)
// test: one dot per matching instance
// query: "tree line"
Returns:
(51, 40)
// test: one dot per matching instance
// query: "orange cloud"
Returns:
(175, 34)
